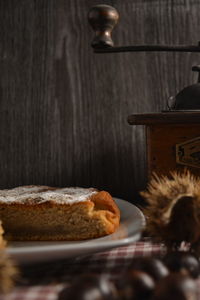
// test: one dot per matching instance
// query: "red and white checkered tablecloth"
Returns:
(46, 281)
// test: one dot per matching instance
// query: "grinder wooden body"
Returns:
(172, 139)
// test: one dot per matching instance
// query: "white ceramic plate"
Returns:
(129, 231)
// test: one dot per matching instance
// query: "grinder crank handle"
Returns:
(103, 19)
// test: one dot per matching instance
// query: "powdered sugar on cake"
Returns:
(41, 194)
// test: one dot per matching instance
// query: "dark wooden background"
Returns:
(63, 109)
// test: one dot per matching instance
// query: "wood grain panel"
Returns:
(63, 109)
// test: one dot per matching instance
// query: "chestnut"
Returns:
(136, 285)
(185, 262)
(175, 286)
(90, 287)
(152, 266)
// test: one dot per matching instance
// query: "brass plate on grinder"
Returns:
(188, 153)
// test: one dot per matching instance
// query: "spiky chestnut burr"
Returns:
(173, 209)
(8, 273)
(8, 270)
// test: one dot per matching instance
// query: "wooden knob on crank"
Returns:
(103, 19)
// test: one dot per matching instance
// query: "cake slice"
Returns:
(33, 213)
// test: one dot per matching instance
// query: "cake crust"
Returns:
(45, 213)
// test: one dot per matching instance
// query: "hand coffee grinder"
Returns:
(173, 136)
